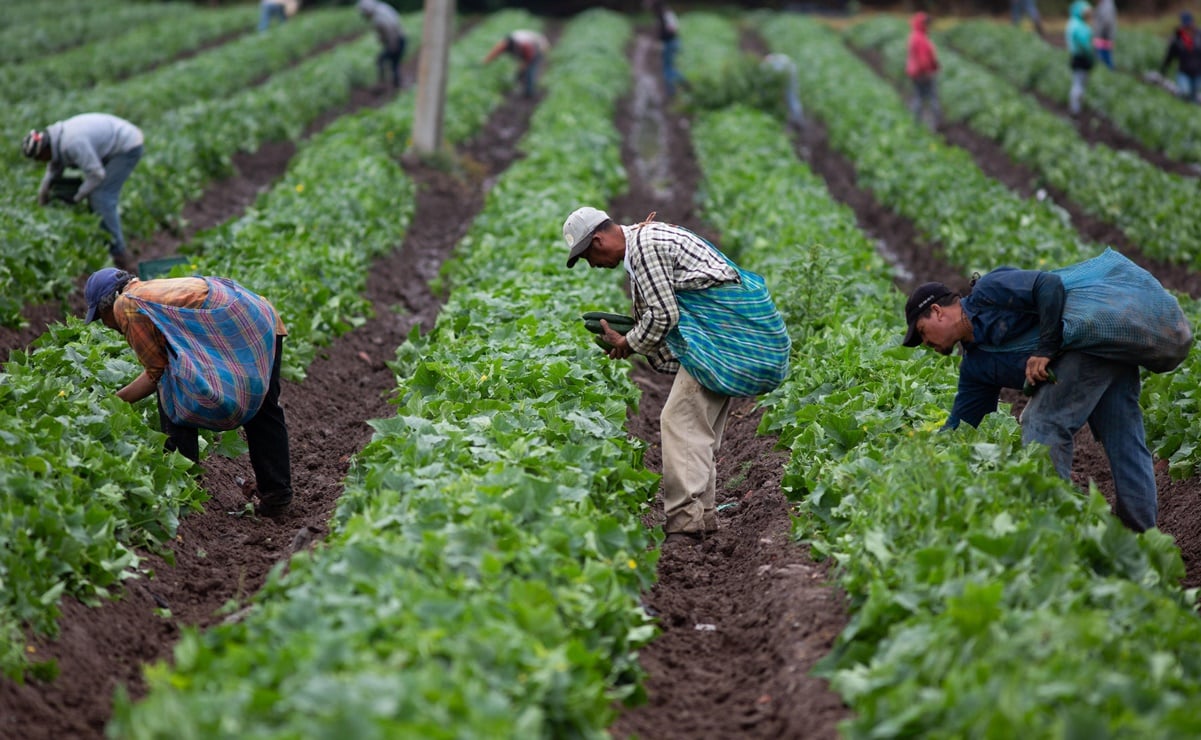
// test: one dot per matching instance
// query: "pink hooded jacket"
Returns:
(922, 61)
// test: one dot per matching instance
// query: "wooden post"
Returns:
(431, 75)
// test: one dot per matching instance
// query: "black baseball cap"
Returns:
(926, 295)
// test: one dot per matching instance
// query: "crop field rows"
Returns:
(469, 554)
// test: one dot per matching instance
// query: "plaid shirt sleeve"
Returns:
(663, 259)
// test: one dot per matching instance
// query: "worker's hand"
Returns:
(1036, 369)
(621, 348)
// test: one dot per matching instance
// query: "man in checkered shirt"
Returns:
(697, 315)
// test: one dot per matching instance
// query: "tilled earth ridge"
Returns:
(222, 556)
(745, 615)
(772, 610)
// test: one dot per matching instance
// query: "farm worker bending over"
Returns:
(1081, 55)
(701, 317)
(1185, 49)
(921, 65)
(1074, 338)
(270, 10)
(386, 21)
(211, 351)
(106, 149)
(528, 47)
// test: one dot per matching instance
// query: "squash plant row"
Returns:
(1159, 121)
(989, 597)
(84, 476)
(212, 74)
(1156, 209)
(186, 148)
(483, 572)
(141, 47)
(51, 28)
(31, 12)
(979, 223)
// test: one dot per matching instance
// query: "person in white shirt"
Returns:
(106, 148)
(528, 48)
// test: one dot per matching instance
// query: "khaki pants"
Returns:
(691, 426)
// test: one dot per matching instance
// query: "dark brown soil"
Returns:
(221, 555)
(772, 610)
(746, 614)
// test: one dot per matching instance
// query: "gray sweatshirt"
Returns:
(385, 20)
(87, 142)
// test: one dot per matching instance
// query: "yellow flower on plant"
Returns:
(62, 394)
(300, 187)
(390, 135)
(633, 565)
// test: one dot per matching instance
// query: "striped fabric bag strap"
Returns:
(221, 356)
(730, 337)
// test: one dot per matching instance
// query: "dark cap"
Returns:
(34, 143)
(100, 285)
(926, 295)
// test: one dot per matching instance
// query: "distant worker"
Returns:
(529, 49)
(211, 353)
(106, 149)
(783, 66)
(270, 10)
(1020, 8)
(921, 66)
(386, 21)
(669, 35)
(1081, 55)
(1105, 28)
(1185, 50)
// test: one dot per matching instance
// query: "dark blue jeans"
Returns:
(266, 435)
(103, 199)
(391, 58)
(529, 76)
(269, 12)
(1105, 394)
(671, 75)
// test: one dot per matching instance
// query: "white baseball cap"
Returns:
(578, 228)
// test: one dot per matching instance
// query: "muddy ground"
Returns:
(772, 610)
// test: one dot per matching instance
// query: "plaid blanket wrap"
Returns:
(731, 338)
(221, 356)
(1117, 310)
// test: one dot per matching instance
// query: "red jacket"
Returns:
(922, 60)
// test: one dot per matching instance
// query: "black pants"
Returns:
(392, 57)
(266, 435)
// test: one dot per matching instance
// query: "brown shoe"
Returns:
(273, 504)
